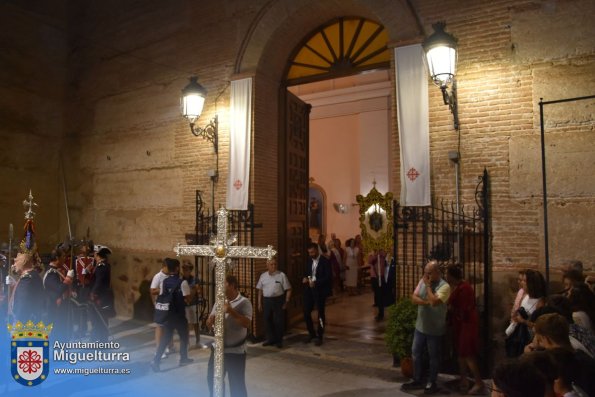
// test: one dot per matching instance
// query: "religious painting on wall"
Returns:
(316, 211)
(376, 220)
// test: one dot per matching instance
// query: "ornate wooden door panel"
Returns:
(294, 198)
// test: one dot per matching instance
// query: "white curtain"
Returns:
(414, 126)
(240, 113)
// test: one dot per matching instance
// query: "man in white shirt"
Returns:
(156, 284)
(274, 292)
(238, 318)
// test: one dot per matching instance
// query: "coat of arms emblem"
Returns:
(29, 352)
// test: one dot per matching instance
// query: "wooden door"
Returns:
(293, 184)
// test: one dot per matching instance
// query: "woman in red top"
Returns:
(463, 319)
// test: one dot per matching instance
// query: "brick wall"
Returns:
(108, 92)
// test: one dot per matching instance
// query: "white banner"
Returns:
(240, 128)
(414, 125)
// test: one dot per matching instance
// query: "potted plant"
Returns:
(399, 333)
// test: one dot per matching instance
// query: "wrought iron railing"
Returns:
(449, 236)
(241, 224)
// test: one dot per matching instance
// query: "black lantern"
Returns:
(192, 103)
(441, 57)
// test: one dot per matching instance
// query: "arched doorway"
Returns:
(338, 61)
(277, 30)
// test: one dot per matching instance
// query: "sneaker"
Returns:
(199, 345)
(431, 388)
(413, 385)
(309, 339)
(155, 366)
(185, 361)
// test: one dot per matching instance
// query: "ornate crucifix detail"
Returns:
(29, 203)
(222, 251)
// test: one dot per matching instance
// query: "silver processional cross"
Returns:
(222, 250)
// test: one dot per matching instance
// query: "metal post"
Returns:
(545, 218)
(486, 260)
(544, 179)
(457, 212)
(9, 264)
(395, 240)
(66, 202)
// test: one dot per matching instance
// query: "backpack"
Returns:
(165, 303)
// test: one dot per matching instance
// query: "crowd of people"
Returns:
(69, 291)
(352, 271)
(550, 336)
(177, 296)
(550, 342)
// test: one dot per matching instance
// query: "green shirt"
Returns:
(431, 320)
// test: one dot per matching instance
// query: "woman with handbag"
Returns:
(519, 334)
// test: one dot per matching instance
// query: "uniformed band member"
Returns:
(26, 301)
(64, 266)
(101, 295)
(56, 287)
(85, 267)
(274, 292)
(85, 273)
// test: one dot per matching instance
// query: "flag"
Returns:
(414, 125)
(239, 144)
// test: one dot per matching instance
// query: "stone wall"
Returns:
(34, 46)
(107, 93)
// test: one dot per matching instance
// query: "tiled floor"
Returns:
(354, 345)
(353, 361)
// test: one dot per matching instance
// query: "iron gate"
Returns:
(450, 236)
(241, 224)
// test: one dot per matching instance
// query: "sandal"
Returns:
(477, 390)
(454, 383)
(464, 385)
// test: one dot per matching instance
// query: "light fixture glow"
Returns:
(441, 57)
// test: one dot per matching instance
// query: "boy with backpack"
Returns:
(170, 313)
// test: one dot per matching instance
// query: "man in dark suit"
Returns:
(387, 290)
(317, 287)
(101, 295)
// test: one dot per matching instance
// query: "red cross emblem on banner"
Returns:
(237, 184)
(412, 174)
